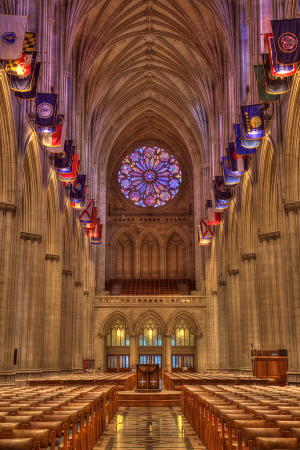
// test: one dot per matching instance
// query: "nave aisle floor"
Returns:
(149, 429)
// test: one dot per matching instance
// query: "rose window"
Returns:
(150, 176)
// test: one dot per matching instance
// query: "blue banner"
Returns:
(279, 70)
(253, 121)
(228, 180)
(31, 94)
(286, 39)
(274, 85)
(222, 192)
(46, 107)
(64, 161)
(77, 194)
(248, 146)
(237, 163)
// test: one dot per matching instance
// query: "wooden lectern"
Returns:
(147, 377)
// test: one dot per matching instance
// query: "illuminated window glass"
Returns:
(150, 334)
(182, 334)
(118, 334)
(150, 176)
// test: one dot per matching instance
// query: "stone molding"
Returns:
(144, 301)
(78, 283)
(51, 257)
(214, 292)
(67, 272)
(86, 293)
(292, 206)
(222, 283)
(233, 272)
(8, 207)
(248, 256)
(248, 21)
(31, 236)
(200, 335)
(268, 236)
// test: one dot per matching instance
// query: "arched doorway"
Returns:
(118, 346)
(150, 343)
(182, 346)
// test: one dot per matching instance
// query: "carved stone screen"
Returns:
(147, 376)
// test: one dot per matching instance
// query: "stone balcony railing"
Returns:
(140, 300)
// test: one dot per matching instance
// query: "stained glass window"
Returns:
(182, 334)
(118, 334)
(150, 334)
(150, 176)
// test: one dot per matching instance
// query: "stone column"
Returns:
(201, 353)
(214, 331)
(136, 262)
(133, 350)
(100, 357)
(7, 212)
(65, 94)
(249, 24)
(77, 329)
(234, 321)
(86, 325)
(168, 362)
(66, 323)
(47, 67)
(223, 326)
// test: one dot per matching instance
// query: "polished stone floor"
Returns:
(149, 429)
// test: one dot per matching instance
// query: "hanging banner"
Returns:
(45, 110)
(253, 121)
(12, 32)
(80, 205)
(228, 180)
(213, 217)
(86, 216)
(70, 176)
(222, 192)
(263, 96)
(54, 139)
(95, 232)
(237, 163)
(274, 85)
(29, 43)
(21, 70)
(286, 35)
(97, 239)
(279, 70)
(206, 231)
(248, 145)
(34, 79)
(63, 161)
(76, 194)
(217, 207)
(91, 225)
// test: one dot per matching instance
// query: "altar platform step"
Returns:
(149, 399)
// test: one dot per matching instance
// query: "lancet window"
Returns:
(182, 334)
(150, 334)
(118, 334)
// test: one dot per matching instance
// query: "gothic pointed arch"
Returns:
(150, 314)
(176, 316)
(247, 214)
(114, 316)
(52, 240)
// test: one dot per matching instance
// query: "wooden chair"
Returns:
(7, 428)
(250, 435)
(37, 415)
(271, 418)
(10, 409)
(51, 426)
(24, 421)
(16, 444)
(65, 419)
(296, 434)
(263, 443)
(286, 426)
(45, 409)
(41, 436)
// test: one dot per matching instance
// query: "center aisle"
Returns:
(149, 428)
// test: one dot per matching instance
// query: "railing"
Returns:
(187, 300)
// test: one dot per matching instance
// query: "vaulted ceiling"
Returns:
(150, 71)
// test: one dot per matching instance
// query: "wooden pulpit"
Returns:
(147, 376)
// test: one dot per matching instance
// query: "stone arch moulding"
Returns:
(148, 314)
(114, 238)
(113, 316)
(152, 230)
(185, 315)
(182, 233)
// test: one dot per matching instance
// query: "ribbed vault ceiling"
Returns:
(150, 70)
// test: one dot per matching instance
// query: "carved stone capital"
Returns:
(233, 272)
(206, 164)
(8, 207)
(222, 283)
(51, 257)
(248, 21)
(214, 292)
(86, 293)
(67, 272)
(248, 256)
(66, 74)
(30, 236)
(200, 335)
(78, 283)
(292, 206)
(268, 236)
(50, 22)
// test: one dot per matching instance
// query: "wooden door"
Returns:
(118, 363)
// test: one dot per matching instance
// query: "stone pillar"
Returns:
(86, 325)
(7, 212)
(201, 353)
(136, 262)
(168, 362)
(134, 358)
(66, 323)
(213, 331)
(47, 67)
(234, 321)
(77, 328)
(163, 261)
(223, 326)
(100, 357)
(65, 94)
